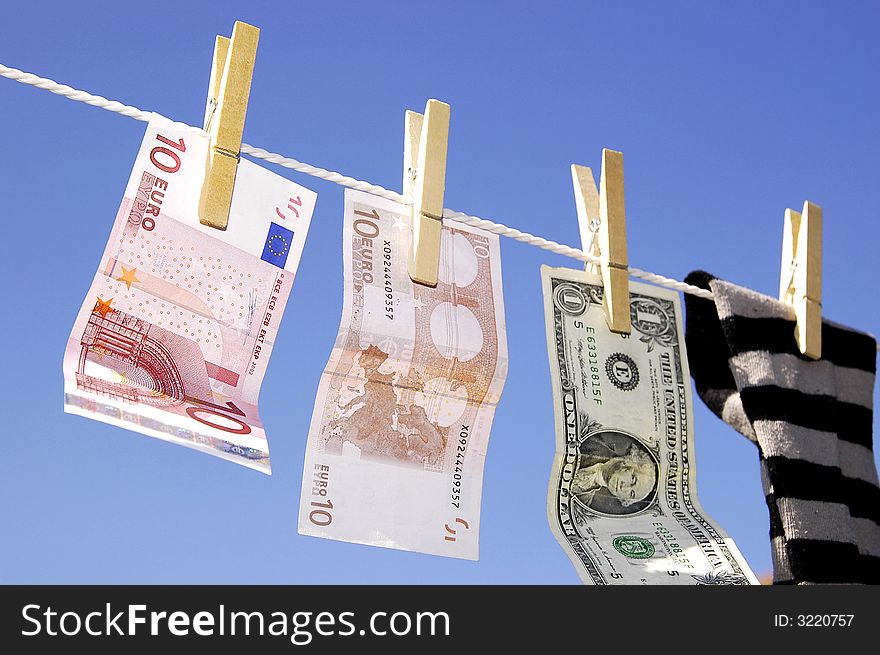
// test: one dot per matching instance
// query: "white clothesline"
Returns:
(353, 183)
(350, 182)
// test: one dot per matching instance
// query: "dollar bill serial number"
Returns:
(813, 620)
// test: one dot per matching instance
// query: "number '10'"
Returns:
(210, 409)
(164, 158)
(321, 517)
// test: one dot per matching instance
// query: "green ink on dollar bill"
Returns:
(622, 500)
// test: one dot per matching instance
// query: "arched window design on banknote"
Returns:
(130, 359)
(115, 344)
(415, 387)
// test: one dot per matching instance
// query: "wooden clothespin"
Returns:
(424, 176)
(228, 94)
(800, 281)
(602, 221)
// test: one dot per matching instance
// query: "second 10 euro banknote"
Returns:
(175, 332)
(404, 408)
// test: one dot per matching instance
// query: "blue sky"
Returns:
(727, 114)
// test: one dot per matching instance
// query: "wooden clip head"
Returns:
(228, 92)
(800, 280)
(424, 175)
(602, 222)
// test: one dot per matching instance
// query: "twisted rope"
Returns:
(352, 183)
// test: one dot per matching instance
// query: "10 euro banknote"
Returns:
(405, 404)
(174, 335)
(623, 499)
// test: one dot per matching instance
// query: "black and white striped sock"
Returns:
(811, 421)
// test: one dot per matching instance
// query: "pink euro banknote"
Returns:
(175, 333)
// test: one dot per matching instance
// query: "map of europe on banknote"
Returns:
(174, 335)
(405, 404)
(623, 500)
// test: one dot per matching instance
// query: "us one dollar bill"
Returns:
(622, 500)
(404, 408)
(174, 335)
